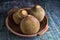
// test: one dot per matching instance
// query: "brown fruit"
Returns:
(29, 25)
(38, 12)
(20, 14)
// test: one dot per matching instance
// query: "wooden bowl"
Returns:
(15, 29)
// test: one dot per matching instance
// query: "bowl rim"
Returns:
(39, 33)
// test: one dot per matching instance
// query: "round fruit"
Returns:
(20, 14)
(29, 25)
(38, 12)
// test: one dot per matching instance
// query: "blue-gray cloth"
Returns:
(52, 8)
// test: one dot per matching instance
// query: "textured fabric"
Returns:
(52, 9)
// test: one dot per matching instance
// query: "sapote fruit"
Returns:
(38, 12)
(29, 25)
(20, 14)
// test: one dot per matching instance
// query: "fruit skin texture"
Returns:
(16, 18)
(19, 15)
(29, 25)
(38, 12)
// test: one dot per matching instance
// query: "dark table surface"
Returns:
(52, 8)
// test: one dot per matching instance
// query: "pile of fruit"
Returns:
(29, 21)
